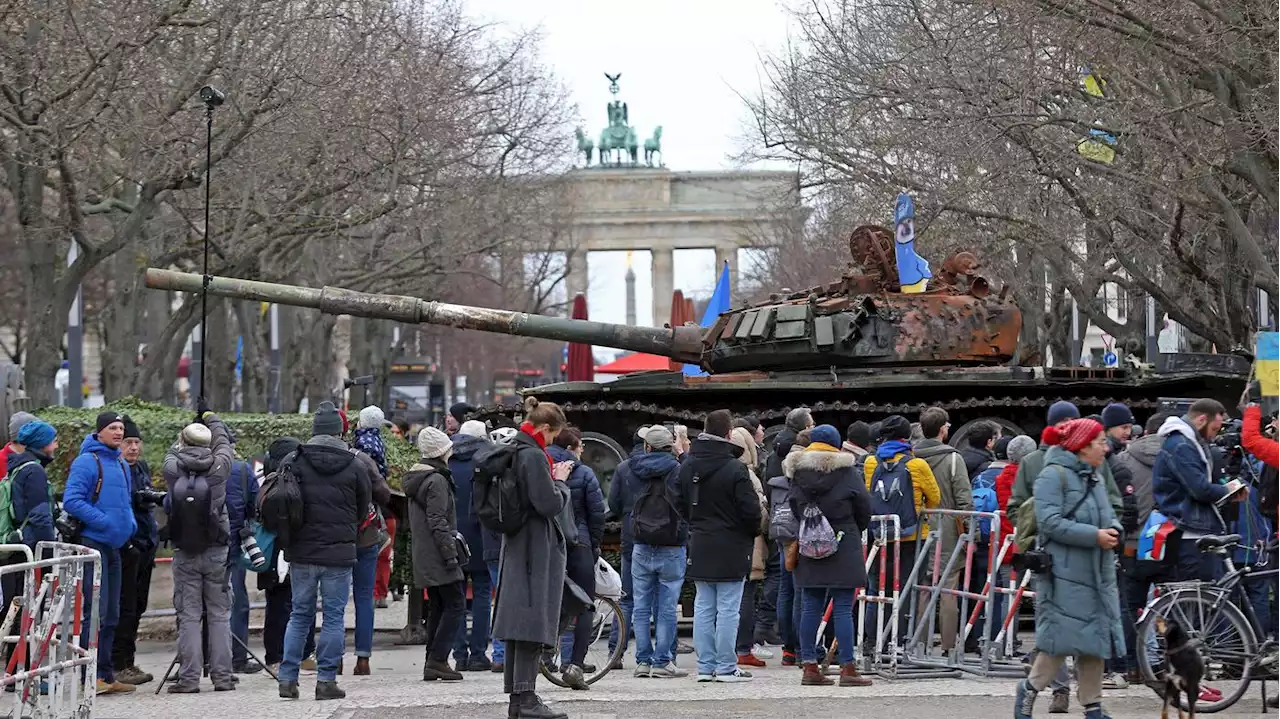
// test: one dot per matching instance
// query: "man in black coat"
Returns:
(336, 492)
(723, 510)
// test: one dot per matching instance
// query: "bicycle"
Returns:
(1222, 624)
(600, 658)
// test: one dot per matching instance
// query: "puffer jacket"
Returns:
(485, 544)
(1139, 458)
(1181, 482)
(215, 463)
(1029, 468)
(30, 496)
(586, 498)
(433, 521)
(109, 521)
(336, 493)
(1004, 491)
(923, 485)
(242, 497)
(830, 481)
(1124, 482)
(1078, 603)
(722, 508)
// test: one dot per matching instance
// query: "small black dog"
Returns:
(1184, 668)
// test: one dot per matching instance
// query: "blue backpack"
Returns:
(892, 492)
(984, 499)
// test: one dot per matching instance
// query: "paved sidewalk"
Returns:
(396, 689)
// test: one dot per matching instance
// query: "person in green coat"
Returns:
(1078, 599)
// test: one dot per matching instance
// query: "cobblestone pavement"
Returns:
(395, 690)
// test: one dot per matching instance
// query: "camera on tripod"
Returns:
(212, 96)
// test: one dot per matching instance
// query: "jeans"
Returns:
(362, 578)
(201, 592)
(135, 590)
(815, 605)
(499, 650)
(657, 574)
(382, 577)
(715, 626)
(481, 602)
(627, 603)
(109, 606)
(239, 616)
(767, 601)
(446, 612)
(1258, 591)
(788, 610)
(276, 623)
(331, 585)
(747, 618)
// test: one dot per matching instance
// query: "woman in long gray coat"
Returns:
(1077, 601)
(433, 526)
(532, 567)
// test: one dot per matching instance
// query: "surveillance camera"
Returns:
(212, 96)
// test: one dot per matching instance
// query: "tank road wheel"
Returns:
(602, 455)
(1007, 428)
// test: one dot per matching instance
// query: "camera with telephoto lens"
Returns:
(147, 498)
(249, 545)
(1035, 560)
(69, 528)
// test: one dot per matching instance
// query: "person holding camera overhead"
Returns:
(137, 558)
(1077, 596)
(98, 513)
(196, 469)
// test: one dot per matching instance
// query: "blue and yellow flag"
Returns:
(1266, 363)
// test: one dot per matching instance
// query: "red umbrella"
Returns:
(581, 366)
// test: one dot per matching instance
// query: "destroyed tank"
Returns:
(853, 349)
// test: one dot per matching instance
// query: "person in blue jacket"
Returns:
(31, 510)
(98, 495)
(242, 498)
(469, 653)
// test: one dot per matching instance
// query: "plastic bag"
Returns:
(608, 581)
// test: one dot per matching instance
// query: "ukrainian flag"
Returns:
(1266, 363)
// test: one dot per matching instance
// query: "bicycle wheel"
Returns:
(600, 658)
(1227, 645)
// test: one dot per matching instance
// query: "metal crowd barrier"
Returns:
(55, 646)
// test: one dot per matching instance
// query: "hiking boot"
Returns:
(574, 677)
(528, 705)
(134, 676)
(1024, 702)
(437, 669)
(1061, 703)
(329, 690)
(643, 671)
(177, 688)
(248, 666)
(750, 660)
(668, 671)
(288, 690)
(362, 667)
(849, 676)
(813, 676)
(737, 677)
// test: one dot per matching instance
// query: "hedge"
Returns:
(160, 425)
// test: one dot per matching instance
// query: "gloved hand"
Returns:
(1129, 516)
(202, 408)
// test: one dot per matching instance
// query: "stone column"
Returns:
(576, 277)
(664, 283)
(728, 253)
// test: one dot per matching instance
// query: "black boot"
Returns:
(528, 705)
(329, 690)
(288, 690)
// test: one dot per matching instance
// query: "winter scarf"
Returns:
(369, 441)
(527, 428)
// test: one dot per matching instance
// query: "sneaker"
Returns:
(789, 659)
(307, 666)
(1114, 681)
(761, 651)
(275, 668)
(1209, 694)
(1024, 701)
(737, 677)
(706, 678)
(643, 671)
(1061, 703)
(750, 660)
(668, 671)
(115, 687)
(380, 603)
(683, 647)
(133, 675)
(177, 688)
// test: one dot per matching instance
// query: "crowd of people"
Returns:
(770, 539)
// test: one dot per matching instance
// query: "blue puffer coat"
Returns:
(1180, 480)
(30, 497)
(109, 521)
(586, 498)
(462, 467)
(242, 498)
(1078, 603)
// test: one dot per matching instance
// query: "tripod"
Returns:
(176, 658)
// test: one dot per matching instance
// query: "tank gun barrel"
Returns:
(683, 344)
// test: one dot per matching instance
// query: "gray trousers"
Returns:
(200, 587)
(520, 670)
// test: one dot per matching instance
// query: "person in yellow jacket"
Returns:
(887, 497)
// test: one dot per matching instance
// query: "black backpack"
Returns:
(654, 519)
(280, 504)
(193, 523)
(497, 495)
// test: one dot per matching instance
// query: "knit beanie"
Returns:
(131, 430)
(196, 435)
(1020, 447)
(277, 451)
(895, 427)
(460, 411)
(36, 435)
(433, 443)
(108, 418)
(17, 420)
(326, 420)
(1062, 410)
(1001, 448)
(474, 428)
(1074, 435)
(825, 434)
(371, 417)
(1115, 415)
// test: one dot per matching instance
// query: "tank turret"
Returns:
(858, 321)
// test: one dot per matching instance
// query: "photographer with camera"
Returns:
(196, 469)
(98, 513)
(1078, 598)
(137, 558)
(242, 499)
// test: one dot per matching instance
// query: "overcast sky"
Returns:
(682, 63)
